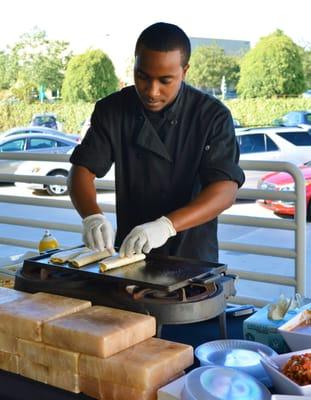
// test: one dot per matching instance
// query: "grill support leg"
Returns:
(223, 325)
(159, 330)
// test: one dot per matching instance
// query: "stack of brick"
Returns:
(106, 353)
(22, 321)
(136, 373)
(8, 342)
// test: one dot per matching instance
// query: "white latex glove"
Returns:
(98, 233)
(147, 236)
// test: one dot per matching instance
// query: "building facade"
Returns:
(231, 47)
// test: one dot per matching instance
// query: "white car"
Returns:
(273, 144)
(51, 168)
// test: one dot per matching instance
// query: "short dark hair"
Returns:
(162, 36)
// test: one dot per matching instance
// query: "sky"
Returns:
(114, 25)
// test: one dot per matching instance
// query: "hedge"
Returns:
(262, 112)
(251, 112)
(20, 114)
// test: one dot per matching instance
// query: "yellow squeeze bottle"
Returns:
(48, 242)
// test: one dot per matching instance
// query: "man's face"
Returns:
(158, 76)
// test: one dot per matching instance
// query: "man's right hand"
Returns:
(98, 233)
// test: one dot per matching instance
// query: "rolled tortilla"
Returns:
(62, 257)
(116, 261)
(88, 258)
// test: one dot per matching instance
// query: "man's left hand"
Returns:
(147, 236)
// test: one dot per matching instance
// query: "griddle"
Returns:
(165, 273)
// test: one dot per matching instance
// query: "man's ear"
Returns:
(185, 69)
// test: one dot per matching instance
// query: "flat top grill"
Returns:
(174, 290)
(158, 272)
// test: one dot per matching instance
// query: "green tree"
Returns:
(23, 90)
(208, 64)
(88, 77)
(4, 84)
(306, 63)
(8, 69)
(272, 68)
(129, 71)
(11, 67)
(37, 61)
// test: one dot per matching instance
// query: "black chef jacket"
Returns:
(155, 176)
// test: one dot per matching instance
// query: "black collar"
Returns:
(170, 112)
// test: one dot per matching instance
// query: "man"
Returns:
(175, 155)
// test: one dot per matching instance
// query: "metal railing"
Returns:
(297, 225)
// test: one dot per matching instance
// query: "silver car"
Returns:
(40, 129)
(31, 143)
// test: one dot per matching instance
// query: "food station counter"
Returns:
(186, 299)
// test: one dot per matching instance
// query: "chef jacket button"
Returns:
(173, 121)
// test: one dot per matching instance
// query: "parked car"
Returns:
(231, 94)
(273, 144)
(48, 168)
(282, 181)
(294, 118)
(307, 94)
(32, 143)
(40, 129)
(48, 120)
(236, 123)
(84, 127)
